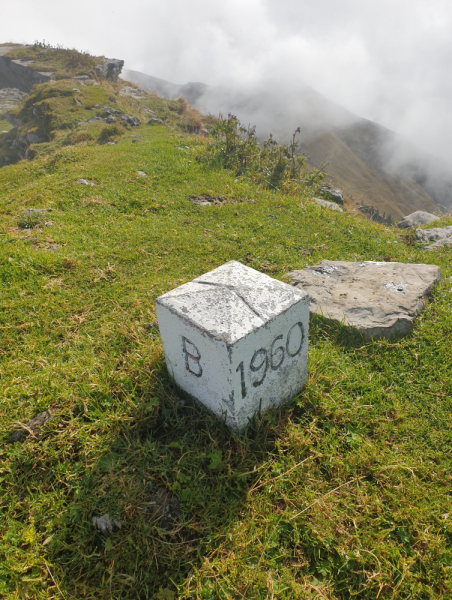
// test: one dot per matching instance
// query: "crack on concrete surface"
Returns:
(232, 288)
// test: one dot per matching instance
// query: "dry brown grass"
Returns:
(362, 184)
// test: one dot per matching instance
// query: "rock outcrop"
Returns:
(17, 73)
(10, 98)
(20, 75)
(332, 195)
(441, 237)
(111, 69)
(419, 217)
(378, 299)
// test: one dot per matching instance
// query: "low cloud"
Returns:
(383, 60)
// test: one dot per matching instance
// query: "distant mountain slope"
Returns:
(191, 91)
(364, 184)
(371, 164)
(162, 88)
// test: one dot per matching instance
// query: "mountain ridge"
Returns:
(370, 163)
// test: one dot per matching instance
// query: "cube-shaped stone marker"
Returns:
(236, 340)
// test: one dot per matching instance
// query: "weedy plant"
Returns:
(29, 220)
(276, 166)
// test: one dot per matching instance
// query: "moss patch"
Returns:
(4, 125)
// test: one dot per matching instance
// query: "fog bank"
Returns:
(381, 60)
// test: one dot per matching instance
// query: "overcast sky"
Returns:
(386, 60)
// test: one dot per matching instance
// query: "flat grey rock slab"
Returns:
(419, 217)
(379, 299)
(441, 236)
(326, 204)
(236, 340)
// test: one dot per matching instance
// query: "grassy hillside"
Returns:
(61, 62)
(371, 164)
(344, 492)
(67, 112)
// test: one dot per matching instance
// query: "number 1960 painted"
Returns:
(274, 357)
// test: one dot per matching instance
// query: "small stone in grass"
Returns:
(333, 195)
(141, 174)
(207, 199)
(326, 204)
(165, 508)
(36, 210)
(32, 427)
(133, 121)
(106, 525)
(441, 236)
(84, 182)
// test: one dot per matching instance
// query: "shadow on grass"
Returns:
(347, 338)
(321, 328)
(174, 476)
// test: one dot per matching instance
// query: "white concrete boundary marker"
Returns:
(237, 340)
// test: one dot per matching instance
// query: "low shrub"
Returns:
(274, 165)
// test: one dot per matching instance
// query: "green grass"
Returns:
(57, 112)
(61, 62)
(4, 125)
(345, 492)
